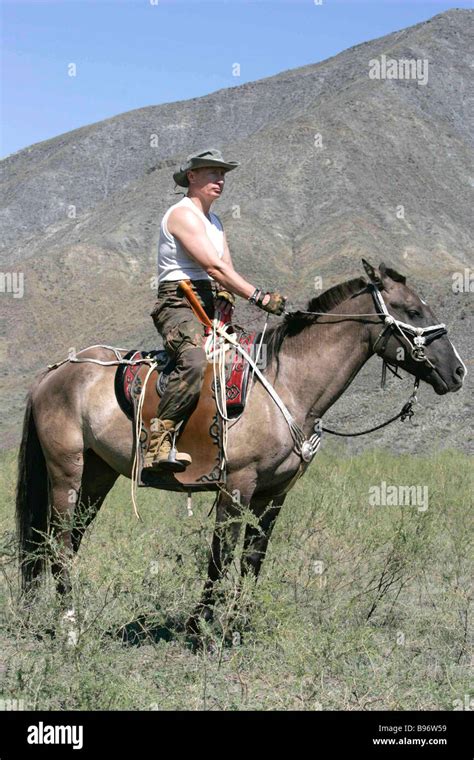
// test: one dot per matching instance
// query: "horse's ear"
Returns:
(391, 273)
(371, 273)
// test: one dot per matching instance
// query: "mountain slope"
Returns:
(390, 177)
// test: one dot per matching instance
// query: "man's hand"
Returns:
(225, 302)
(274, 303)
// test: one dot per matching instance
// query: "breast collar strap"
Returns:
(416, 337)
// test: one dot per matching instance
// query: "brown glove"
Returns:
(227, 296)
(276, 304)
(225, 301)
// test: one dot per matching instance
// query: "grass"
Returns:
(358, 607)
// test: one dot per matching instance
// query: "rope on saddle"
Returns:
(139, 411)
(306, 448)
(138, 428)
(118, 360)
(218, 352)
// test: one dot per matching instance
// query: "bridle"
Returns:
(422, 336)
(417, 339)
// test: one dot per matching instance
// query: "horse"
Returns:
(76, 440)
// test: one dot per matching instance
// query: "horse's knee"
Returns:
(202, 613)
(252, 558)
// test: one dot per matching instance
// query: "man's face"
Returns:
(208, 179)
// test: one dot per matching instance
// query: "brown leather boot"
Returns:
(157, 457)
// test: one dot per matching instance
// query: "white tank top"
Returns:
(174, 263)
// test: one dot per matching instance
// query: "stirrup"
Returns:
(177, 461)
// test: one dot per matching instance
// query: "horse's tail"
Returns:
(31, 502)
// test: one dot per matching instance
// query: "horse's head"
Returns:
(410, 336)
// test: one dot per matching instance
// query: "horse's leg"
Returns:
(65, 475)
(257, 537)
(224, 540)
(63, 447)
(97, 480)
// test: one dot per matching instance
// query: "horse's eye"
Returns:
(413, 313)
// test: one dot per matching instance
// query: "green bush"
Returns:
(357, 606)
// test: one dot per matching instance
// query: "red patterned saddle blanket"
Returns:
(237, 373)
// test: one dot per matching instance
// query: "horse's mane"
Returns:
(297, 321)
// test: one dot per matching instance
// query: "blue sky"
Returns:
(134, 53)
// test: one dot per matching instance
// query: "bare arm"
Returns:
(226, 257)
(191, 233)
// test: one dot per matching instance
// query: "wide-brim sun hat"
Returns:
(210, 157)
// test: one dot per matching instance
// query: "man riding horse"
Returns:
(193, 246)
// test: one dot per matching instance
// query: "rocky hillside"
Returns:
(335, 165)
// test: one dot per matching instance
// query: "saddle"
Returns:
(201, 434)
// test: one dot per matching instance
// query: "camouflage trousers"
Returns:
(182, 335)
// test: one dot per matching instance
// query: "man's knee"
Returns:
(194, 359)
